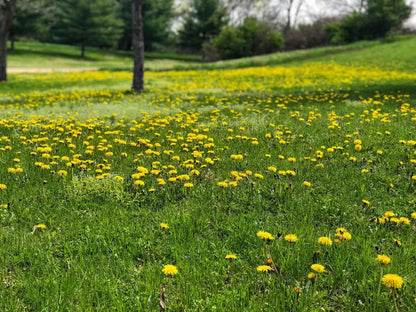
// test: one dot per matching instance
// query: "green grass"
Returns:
(103, 249)
(397, 54)
(55, 56)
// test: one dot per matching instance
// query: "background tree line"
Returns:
(218, 29)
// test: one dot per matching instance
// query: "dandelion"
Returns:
(404, 220)
(3, 186)
(272, 169)
(393, 281)
(291, 238)
(343, 235)
(170, 270)
(264, 268)
(297, 290)
(366, 202)
(188, 185)
(413, 215)
(397, 242)
(306, 183)
(231, 257)
(325, 241)
(223, 184)
(40, 226)
(265, 236)
(164, 226)
(311, 276)
(318, 268)
(383, 259)
(62, 173)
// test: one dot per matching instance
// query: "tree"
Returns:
(384, 15)
(377, 19)
(204, 21)
(138, 45)
(32, 18)
(157, 16)
(89, 22)
(7, 8)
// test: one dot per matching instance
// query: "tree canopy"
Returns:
(203, 22)
(89, 23)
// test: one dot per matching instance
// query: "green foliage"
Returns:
(251, 38)
(89, 23)
(157, 18)
(204, 21)
(379, 18)
(32, 19)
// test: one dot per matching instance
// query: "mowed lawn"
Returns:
(266, 185)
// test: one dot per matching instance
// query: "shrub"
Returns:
(251, 38)
(309, 36)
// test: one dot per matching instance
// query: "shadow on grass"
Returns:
(29, 52)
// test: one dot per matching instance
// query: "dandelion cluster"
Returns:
(216, 152)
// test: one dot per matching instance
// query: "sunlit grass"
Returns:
(90, 172)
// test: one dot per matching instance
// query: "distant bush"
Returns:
(309, 36)
(253, 37)
(378, 20)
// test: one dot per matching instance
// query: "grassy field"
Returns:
(267, 188)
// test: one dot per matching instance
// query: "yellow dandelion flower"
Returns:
(264, 268)
(325, 241)
(297, 290)
(231, 257)
(223, 184)
(3, 186)
(139, 182)
(404, 220)
(343, 235)
(291, 238)
(311, 276)
(188, 185)
(265, 235)
(392, 281)
(306, 183)
(413, 215)
(62, 173)
(164, 226)
(383, 259)
(40, 226)
(340, 230)
(170, 270)
(318, 268)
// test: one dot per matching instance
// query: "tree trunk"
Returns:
(138, 45)
(12, 42)
(6, 17)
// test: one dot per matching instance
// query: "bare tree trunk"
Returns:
(6, 17)
(138, 45)
(11, 42)
(289, 15)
